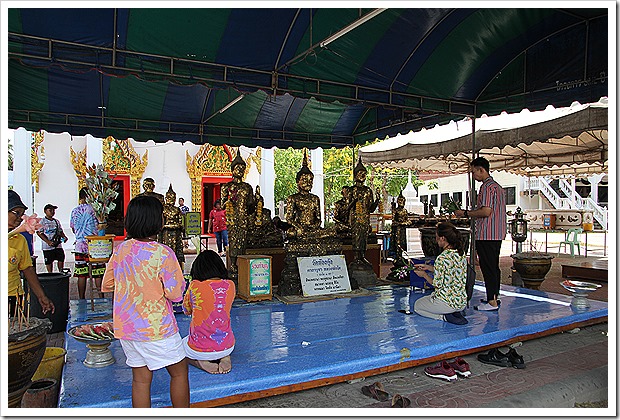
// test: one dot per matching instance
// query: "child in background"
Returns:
(208, 300)
(146, 278)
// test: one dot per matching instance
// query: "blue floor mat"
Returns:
(279, 344)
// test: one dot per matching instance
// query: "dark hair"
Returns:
(481, 163)
(208, 265)
(149, 180)
(83, 194)
(218, 201)
(452, 235)
(144, 216)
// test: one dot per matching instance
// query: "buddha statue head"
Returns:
(148, 184)
(171, 196)
(359, 172)
(237, 166)
(305, 177)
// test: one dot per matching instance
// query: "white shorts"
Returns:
(154, 354)
(205, 355)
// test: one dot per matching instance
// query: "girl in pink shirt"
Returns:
(146, 278)
(208, 300)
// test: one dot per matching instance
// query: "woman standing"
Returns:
(217, 225)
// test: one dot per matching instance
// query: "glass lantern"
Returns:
(518, 228)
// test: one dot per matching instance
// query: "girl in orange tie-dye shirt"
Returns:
(208, 300)
(146, 278)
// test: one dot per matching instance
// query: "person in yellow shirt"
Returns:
(21, 261)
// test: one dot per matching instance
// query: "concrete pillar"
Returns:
(267, 179)
(94, 150)
(22, 174)
(318, 188)
(594, 181)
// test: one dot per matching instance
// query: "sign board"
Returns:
(192, 224)
(254, 277)
(100, 247)
(323, 275)
(374, 222)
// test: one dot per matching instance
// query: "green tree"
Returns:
(286, 164)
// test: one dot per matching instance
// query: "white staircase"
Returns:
(574, 200)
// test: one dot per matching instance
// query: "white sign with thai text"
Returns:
(323, 275)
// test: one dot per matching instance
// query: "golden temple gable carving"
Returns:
(210, 160)
(78, 160)
(120, 157)
(37, 151)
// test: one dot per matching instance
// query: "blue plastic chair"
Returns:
(572, 239)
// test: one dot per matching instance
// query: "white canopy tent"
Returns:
(555, 141)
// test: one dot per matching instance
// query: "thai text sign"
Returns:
(192, 223)
(260, 274)
(323, 275)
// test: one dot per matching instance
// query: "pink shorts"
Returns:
(154, 354)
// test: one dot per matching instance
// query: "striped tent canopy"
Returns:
(294, 77)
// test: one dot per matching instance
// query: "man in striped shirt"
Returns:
(490, 230)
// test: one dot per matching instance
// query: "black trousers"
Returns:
(488, 257)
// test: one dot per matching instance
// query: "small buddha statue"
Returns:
(263, 232)
(172, 232)
(363, 204)
(342, 215)
(400, 222)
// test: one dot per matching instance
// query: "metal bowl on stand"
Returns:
(99, 354)
(580, 291)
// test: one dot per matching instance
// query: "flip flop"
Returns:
(400, 401)
(225, 365)
(375, 391)
(209, 366)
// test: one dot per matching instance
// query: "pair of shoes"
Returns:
(487, 307)
(515, 359)
(455, 318)
(375, 391)
(441, 370)
(495, 357)
(400, 401)
(460, 366)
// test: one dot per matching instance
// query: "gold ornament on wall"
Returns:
(78, 160)
(37, 158)
(120, 157)
(209, 161)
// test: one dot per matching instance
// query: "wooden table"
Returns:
(564, 231)
(588, 270)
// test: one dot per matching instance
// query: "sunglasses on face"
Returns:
(17, 213)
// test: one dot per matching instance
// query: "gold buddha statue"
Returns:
(303, 209)
(172, 232)
(400, 222)
(149, 186)
(239, 202)
(363, 204)
(342, 215)
(263, 232)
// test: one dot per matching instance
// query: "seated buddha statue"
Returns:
(342, 215)
(263, 233)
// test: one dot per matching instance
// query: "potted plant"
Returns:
(532, 266)
(101, 193)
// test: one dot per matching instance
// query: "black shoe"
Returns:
(494, 357)
(515, 359)
(455, 318)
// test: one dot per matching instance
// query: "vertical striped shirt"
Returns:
(492, 228)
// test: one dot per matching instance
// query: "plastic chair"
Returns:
(572, 239)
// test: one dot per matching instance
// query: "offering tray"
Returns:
(99, 354)
(580, 291)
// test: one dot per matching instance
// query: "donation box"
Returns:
(254, 277)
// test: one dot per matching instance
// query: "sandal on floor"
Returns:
(375, 391)
(400, 401)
